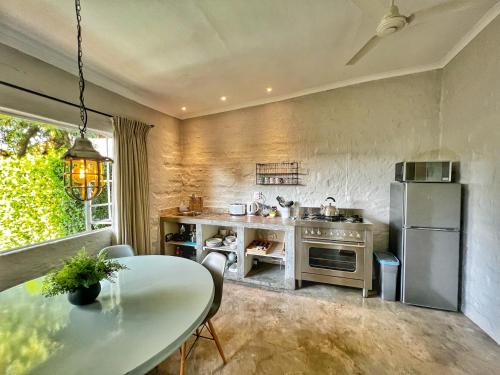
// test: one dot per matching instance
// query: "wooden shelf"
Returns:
(275, 253)
(181, 243)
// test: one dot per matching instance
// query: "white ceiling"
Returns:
(167, 54)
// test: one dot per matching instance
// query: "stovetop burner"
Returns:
(336, 218)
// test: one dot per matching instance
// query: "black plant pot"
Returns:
(84, 296)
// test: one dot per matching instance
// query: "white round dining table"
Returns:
(136, 322)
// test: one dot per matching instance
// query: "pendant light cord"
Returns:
(83, 110)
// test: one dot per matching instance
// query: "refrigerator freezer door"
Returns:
(432, 205)
(431, 263)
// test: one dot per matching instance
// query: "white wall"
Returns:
(471, 134)
(35, 261)
(163, 143)
(347, 140)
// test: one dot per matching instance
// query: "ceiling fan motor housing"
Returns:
(392, 22)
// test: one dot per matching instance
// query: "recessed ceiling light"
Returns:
(183, 108)
(269, 89)
(223, 98)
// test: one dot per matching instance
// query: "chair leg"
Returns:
(183, 359)
(216, 339)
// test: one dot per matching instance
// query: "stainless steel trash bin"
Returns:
(387, 273)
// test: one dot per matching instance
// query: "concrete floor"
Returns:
(322, 329)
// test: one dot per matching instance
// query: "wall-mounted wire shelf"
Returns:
(284, 173)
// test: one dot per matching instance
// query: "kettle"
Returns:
(253, 208)
(330, 209)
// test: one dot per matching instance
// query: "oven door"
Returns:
(338, 259)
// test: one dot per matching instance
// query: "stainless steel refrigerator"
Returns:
(425, 235)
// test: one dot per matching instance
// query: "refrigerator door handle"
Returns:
(433, 229)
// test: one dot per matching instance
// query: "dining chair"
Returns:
(215, 263)
(118, 251)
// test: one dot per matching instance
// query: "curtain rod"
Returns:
(55, 99)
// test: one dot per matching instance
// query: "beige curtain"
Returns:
(131, 184)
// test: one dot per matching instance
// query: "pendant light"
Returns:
(84, 167)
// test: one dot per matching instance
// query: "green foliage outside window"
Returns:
(33, 204)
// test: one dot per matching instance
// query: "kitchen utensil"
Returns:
(284, 203)
(252, 208)
(330, 209)
(231, 258)
(213, 242)
(285, 212)
(237, 209)
(233, 267)
(281, 201)
(231, 238)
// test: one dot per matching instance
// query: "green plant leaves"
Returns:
(82, 270)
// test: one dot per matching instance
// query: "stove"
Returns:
(333, 219)
(337, 249)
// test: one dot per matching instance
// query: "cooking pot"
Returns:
(330, 209)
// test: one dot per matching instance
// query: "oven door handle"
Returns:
(336, 244)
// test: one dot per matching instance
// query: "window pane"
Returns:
(34, 206)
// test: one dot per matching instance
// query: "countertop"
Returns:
(257, 221)
(226, 219)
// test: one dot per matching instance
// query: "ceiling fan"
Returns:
(394, 21)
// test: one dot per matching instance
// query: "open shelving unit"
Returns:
(274, 270)
(181, 243)
(270, 268)
(267, 274)
(208, 231)
(220, 248)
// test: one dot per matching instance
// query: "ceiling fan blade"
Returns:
(441, 9)
(364, 50)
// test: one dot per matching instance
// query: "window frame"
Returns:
(109, 177)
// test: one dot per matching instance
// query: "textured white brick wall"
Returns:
(347, 139)
(165, 173)
(471, 134)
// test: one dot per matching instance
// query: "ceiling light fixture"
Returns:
(83, 166)
(223, 98)
(183, 108)
(269, 89)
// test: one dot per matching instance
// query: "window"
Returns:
(33, 204)
(99, 211)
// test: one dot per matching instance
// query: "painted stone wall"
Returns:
(471, 134)
(347, 140)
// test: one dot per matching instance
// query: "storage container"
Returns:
(388, 266)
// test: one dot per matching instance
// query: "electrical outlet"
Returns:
(257, 195)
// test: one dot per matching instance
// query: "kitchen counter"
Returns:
(254, 221)
(228, 220)
(276, 271)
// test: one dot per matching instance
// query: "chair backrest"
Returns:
(118, 251)
(215, 263)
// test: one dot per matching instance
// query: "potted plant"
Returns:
(80, 277)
